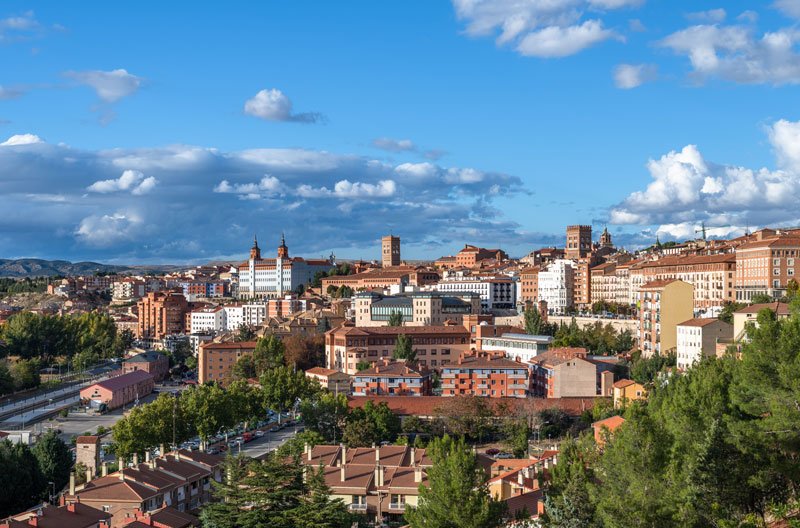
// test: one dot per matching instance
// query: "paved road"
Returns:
(269, 442)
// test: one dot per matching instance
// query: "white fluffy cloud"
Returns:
(110, 86)
(788, 7)
(21, 139)
(109, 229)
(274, 105)
(130, 180)
(627, 76)
(268, 186)
(734, 53)
(686, 189)
(540, 28)
(347, 189)
(394, 145)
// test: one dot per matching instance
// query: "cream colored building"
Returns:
(749, 314)
(663, 305)
(417, 309)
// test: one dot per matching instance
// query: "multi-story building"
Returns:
(260, 278)
(210, 319)
(383, 279)
(582, 284)
(390, 251)
(571, 372)
(392, 378)
(195, 288)
(663, 305)
(697, 338)
(711, 275)
(519, 347)
(128, 289)
(483, 375)
(333, 380)
(215, 361)
(497, 293)
(161, 314)
(556, 285)
(766, 265)
(470, 256)
(435, 346)
(417, 309)
(529, 285)
(605, 283)
(179, 480)
(579, 242)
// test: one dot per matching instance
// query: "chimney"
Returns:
(307, 450)
(520, 478)
(72, 484)
(413, 456)
(71, 507)
(34, 521)
(104, 469)
(147, 457)
(378, 454)
(380, 475)
(135, 459)
(344, 454)
(417, 475)
(342, 473)
(89, 475)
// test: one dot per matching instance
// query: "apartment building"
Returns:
(529, 285)
(383, 279)
(766, 265)
(435, 346)
(470, 255)
(392, 378)
(626, 391)
(209, 319)
(272, 278)
(161, 314)
(604, 283)
(128, 289)
(496, 293)
(484, 375)
(417, 309)
(712, 276)
(749, 315)
(215, 361)
(582, 282)
(557, 284)
(180, 480)
(663, 305)
(566, 373)
(697, 338)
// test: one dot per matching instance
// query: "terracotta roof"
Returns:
(778, 307)
(395, 368)
(125, 380)
(683, 260)
(172, 518)
(557, 356)
(396, 330)
(658, 284)
(229, 345)
(528, 502)
(427, 405)
(484, 362)
(111, 487)
(87, 440)
(783, 241)
(321, 371)
(621, 384)
(75, 515)
(700, 321)
(609, 423)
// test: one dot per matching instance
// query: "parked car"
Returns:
(492, 451)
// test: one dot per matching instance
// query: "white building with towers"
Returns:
(273, 277)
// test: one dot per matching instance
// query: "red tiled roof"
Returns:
(427, 405)
(621, 384)
(778, 307)
(699, 321)
(609, 423)
(124, 380)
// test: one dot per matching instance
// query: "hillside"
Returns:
(31, 267)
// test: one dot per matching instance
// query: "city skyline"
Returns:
(492, 123)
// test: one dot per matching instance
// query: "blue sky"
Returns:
(172, 133)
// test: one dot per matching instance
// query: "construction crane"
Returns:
(701, 230)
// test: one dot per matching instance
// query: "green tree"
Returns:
(467, 416)
(455, 478)
(645, 369)
(403, 349)
(274, 493)
(568, 502)
(325, 414)
(244, 333)
(728, 308)
(246, 402)
(396, 319)
(244, 368)
(282, 388)
(54, 459)
(25, 374)
(534, 323)
(24, 483)
(761, 298)
(363, 365)
(792, 289)
(269, 354)
(209, 409)
(515, 433)
(6, 379)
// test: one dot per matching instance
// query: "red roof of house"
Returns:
(609, 423)
(124, 380)
(427, 405)
(778, 307)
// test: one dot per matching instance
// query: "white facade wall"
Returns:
(556, 285)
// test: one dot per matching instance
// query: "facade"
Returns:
(471, 255)
(118, 391)
(383, 279)
(663, 305)
(749, 315)
(712, 276)
(497, 293)
(563, 373)
(766, 265)
(161, 314)
(390, 251)
(601, 429)
(483, 375)
(392, 378)
(87, 452)
(271, 278)
(579, 242)
(211, 319)
(179, 480)
(626, 390)
(333, 380)
(152, 362)
(557, 284)
(215, 361)
(604, 282)
(128, 289)
(417, 309)
(435, 346)
(529, 285)
(518, 347)
(582, 287)
(697, 338)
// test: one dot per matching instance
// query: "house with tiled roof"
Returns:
(74, 515)
(333, 380)
(749, 315)
(167, 517)
(119, 390)
(152, 362)
(627, 390)
(392, 378)
(603, 428)
(564, 372)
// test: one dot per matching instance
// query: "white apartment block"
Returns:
(556, 285)
(697, 338)
(208, 320)
(496, 293)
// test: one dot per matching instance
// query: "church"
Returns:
(273, 277)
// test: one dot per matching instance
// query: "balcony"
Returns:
(399, 506)
(357, 507)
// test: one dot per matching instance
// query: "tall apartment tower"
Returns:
(579, 241)
(390, 251)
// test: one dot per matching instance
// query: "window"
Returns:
(106, 508)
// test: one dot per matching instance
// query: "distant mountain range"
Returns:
(31, 267)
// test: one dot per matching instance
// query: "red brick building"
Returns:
(393, 378)
(120, 390)
(161, 314)
(494, 377)
(152, 362)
